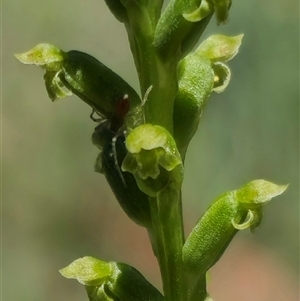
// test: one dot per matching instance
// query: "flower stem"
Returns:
(153, 72)
(166, 211)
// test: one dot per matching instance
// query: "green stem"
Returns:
(197, 288)
(152, 71)
(167, 220)
(160, 74)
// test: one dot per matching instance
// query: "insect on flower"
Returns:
(116, 121)
(109, 137)
(78, 73)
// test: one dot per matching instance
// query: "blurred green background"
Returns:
(56, 208)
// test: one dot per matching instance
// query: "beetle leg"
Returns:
(99, 119)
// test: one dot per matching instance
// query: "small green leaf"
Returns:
(88, 271)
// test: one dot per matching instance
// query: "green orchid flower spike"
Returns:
(142, 142)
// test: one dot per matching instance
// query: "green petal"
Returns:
(258, 192)
(88, 270)
(153, 144)
(200, 13)
(222, 77)
(153, 158)
(220, 48)
(44, 55)
(146, 137)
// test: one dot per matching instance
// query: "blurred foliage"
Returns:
(53, 200)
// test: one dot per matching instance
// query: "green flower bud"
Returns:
(253, 196)
(153, 158)
(106, 281)
(232, 211)
(84, 76)
(196, 81)
(200, 73)
(133, 201)
(183, 22)
(177, 31)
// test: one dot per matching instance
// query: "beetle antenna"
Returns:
(144, 100)
(114, 140)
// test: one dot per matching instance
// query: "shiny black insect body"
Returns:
(109, 137)
(133, 201)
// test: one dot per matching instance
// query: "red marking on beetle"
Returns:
(122, 108)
